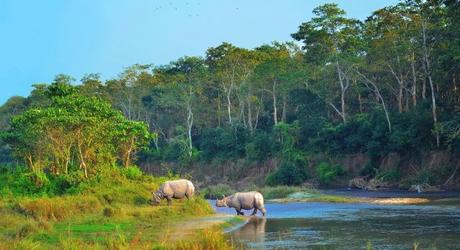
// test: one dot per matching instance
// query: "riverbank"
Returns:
(359, 196)
(114, 213)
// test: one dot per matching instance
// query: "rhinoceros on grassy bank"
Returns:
(244, 200)
(177, 189)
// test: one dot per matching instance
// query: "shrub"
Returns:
(260, 148)
(108, 212)
(389, 176)
(223, 142)
(32, 183)
(287, 174)
(279, 192)
(26, 229)
(132, 173)
(58, 208)
(206, 239)
(217, 191)
(328, 172)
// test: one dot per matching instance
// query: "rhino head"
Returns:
(156, 197)
(222, 202)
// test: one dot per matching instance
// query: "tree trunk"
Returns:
(218, 112)
(249, 122)
(424, 89)
(256, 122)
(275, 111)
(343, 89)
(430, 80)
(379, 95)
(400, 81)
(229, 107)
(228, 92)
(189, 128)
(283, 116)
(400, 97)
(414, 82)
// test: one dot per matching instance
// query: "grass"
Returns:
(206, 239)
(217, 191)
(301, 194)
(279, 192)
(112, 214)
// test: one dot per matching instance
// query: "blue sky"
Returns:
(43, 38)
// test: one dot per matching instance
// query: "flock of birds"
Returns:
(171, 5)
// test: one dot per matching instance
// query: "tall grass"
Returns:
(113, 212)
(211, 239)
(279, 192)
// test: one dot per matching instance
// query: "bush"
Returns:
(389, 176)
(279, 192)
(223, 143)
(32, 183)
(260, 148)
(287, 174)
(112, 212)
(217, 191)
(328, 172)
(58, 208)
(132, 173)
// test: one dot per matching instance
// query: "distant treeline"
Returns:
(388, 84)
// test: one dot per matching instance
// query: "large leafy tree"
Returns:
(332, 41)
(232, 67)
(74, 132)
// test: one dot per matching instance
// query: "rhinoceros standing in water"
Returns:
(246, 201)
(177, 189)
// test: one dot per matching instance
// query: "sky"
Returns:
(40, 39)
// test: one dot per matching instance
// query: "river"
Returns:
(320, 225)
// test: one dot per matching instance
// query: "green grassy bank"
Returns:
(113, 212)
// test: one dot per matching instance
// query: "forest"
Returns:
(343, 99)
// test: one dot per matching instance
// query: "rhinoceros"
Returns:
(244, 200)
(177, 189)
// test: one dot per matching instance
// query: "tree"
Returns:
(74, 131)
(331, 39)
(185, 79)
(231, 67)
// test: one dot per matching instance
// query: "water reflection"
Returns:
(352, 226)
(253, 231)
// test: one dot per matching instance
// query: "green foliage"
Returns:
(389, 176)
(353, 88)
(107, 212)
(217, 191)
(279, 192)
(287, 174)
(75, 132)
(328, 173)
(223, 143)
(132, 173)
(261, 147)
(30, 183)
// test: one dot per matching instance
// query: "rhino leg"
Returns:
(254, 212)
(169, 200)
(238, 212)
(264, 211)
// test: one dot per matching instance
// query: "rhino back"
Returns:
(249, 200)
(177, 188)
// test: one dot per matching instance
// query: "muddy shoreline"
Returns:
(394, 193)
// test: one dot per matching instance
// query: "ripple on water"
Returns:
(319, 225)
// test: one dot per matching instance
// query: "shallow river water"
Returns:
(319, 225)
